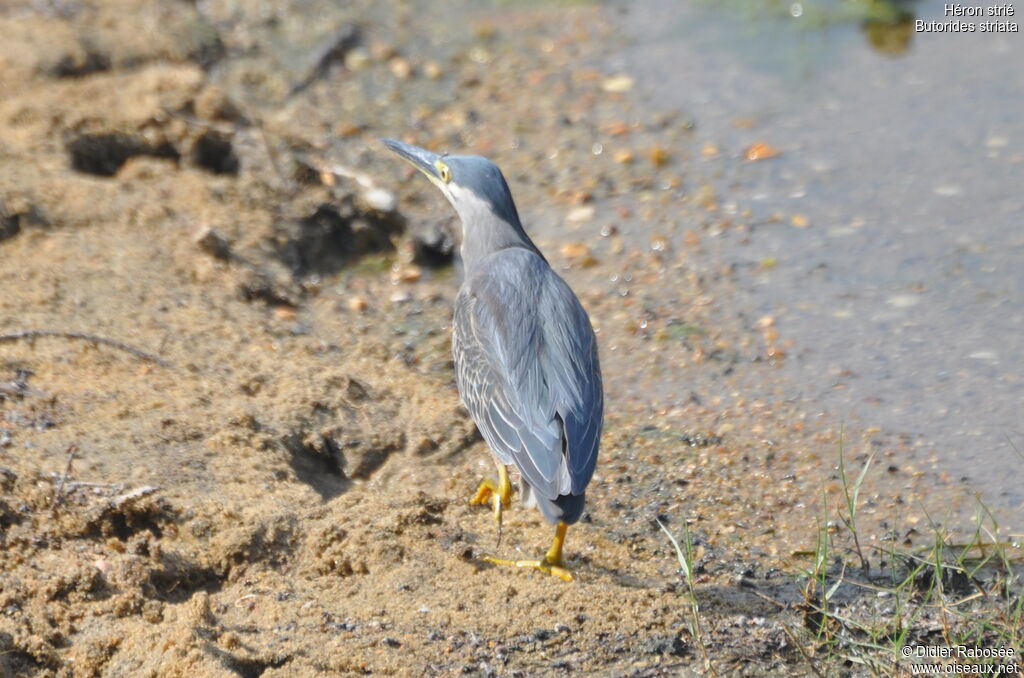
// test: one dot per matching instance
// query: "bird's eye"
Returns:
(446, 173)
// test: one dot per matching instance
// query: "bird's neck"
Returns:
(484, 233)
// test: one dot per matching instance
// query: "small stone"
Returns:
(759, 150)
(347, 129)
(984, 355)
(902, 301)
(382, 51)
(433, 70)
(357, 59)
(285, 312)
(9, 224)
(409, 274)
(485, 30)
(380, 199)
(400, 68)
(579, 253)
(617, 84)
(104, 566)
(618, 128)
(153, 611)
(575, 250)
(213, 104)
(480, 55)
(213, 243)
(705, 196)
(659, 156)
(624, 157)
(581, 214)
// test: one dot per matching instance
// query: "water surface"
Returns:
(903, 289)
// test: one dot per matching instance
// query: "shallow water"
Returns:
(903, 289)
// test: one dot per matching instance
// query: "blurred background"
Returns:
(891, 246)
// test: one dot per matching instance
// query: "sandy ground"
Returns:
(283, 491)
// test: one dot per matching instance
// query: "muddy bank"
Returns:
(274, 482)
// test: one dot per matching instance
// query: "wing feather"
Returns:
(528, 371)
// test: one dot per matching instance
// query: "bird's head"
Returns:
(473, 184)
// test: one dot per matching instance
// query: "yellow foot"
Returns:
(551, 563)
(555, 569)
(499, 494)
(488, 491)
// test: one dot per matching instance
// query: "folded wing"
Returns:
(528, 371)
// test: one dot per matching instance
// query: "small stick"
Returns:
(272, 155)
(34, 334)
(798, 646)
(132, 495)
(204, 124)
(781, 606)
(75, 484)
(333, 49)
(72, 448)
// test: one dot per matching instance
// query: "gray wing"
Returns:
(527, 369)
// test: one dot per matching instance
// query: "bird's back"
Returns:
(528, 371)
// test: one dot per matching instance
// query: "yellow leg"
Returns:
(498, 493)
(552, 562)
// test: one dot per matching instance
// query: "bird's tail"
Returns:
(566, 508)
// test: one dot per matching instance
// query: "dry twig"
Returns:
(72, 448)
(35, 334)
